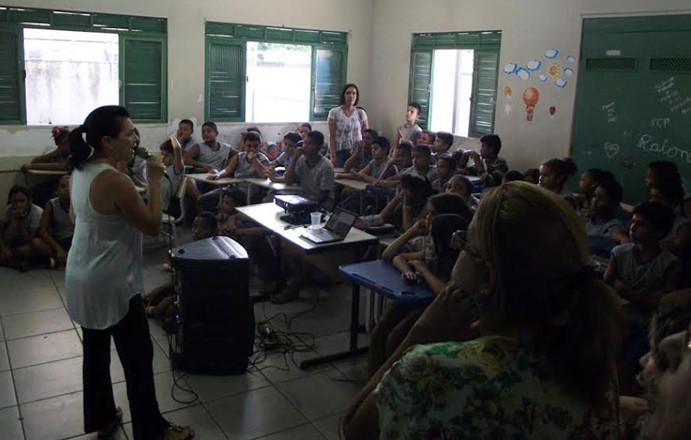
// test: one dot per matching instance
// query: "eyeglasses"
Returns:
(459, 240)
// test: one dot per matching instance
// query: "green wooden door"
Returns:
(624, 117)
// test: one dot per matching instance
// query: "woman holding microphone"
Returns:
(103, 278)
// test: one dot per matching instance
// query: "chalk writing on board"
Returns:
(664, 148)
(660, 122)
(611, 150)
(610, 112)
(672, 97)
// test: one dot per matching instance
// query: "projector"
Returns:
(293, 203)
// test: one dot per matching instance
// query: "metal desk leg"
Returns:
(354, 329)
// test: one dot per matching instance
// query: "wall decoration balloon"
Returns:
(530, 97)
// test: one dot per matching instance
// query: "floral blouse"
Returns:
(488, 388)
(348, 128)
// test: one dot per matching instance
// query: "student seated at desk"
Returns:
(312, 171)
(402, 159)
(426, 138)
(642, 272)
(487, 164)
(431, 266)
(55, 160)
(532, 175)
(362, 151)
(210, 155)
(462, 186)
(371, 173)
(184, 134)
(665, 173)
(20, 243)
(159, 301)
(414, 239)
(405, 208)
(671, 194)
(421, 167)
(446, 167)
(173, 174)
(441, 145)
(602, 221)
(290, 142)
(249, 163)
(249, 234)
(136, 167)
(590, 179)
(374, 170)
(555, 174)
(57, 228)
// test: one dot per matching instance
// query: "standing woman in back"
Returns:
(346, 123)
(103, 278)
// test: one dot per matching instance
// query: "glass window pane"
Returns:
(443, 86)
(452, 88)
(279, 81)
(68, 74)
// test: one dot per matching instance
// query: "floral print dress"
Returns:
(488, 388)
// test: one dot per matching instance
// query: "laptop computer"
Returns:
(335, 229)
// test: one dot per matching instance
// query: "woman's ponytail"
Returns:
(85, 140)
(80, 150)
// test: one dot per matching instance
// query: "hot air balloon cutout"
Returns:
(552, 111)
(530, 97)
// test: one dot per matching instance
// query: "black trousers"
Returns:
(135, 350)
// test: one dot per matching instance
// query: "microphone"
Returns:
(142, 153)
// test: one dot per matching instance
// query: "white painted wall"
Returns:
(529, 28)
(379, 53)
(186, 52)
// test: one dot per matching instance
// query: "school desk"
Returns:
(268, 216)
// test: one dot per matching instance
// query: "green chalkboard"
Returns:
(633, 103)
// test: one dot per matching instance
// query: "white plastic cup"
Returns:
(316, 219)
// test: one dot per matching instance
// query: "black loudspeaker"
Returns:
(214, 315)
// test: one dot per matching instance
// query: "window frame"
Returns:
(239, 34)
(422, 50)
(127, 27)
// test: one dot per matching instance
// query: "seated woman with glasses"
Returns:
(544, 366)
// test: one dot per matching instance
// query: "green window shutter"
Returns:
(225, 80)
(420, 82)
(328, 78)
(11, 77)
(484, 93)
(143, 78)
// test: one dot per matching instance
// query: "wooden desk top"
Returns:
(352, 183)
(202, 177)
(267, 183)
(267, 215)
(47, 172)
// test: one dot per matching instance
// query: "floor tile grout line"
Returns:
(14, 385)
(81, 390)
(72, 328)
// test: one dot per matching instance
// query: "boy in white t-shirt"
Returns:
(409, 130)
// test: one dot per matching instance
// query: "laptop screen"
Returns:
(340, 222)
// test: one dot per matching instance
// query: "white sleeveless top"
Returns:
(105, 263)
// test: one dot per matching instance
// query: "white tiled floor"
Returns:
(41, 358)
